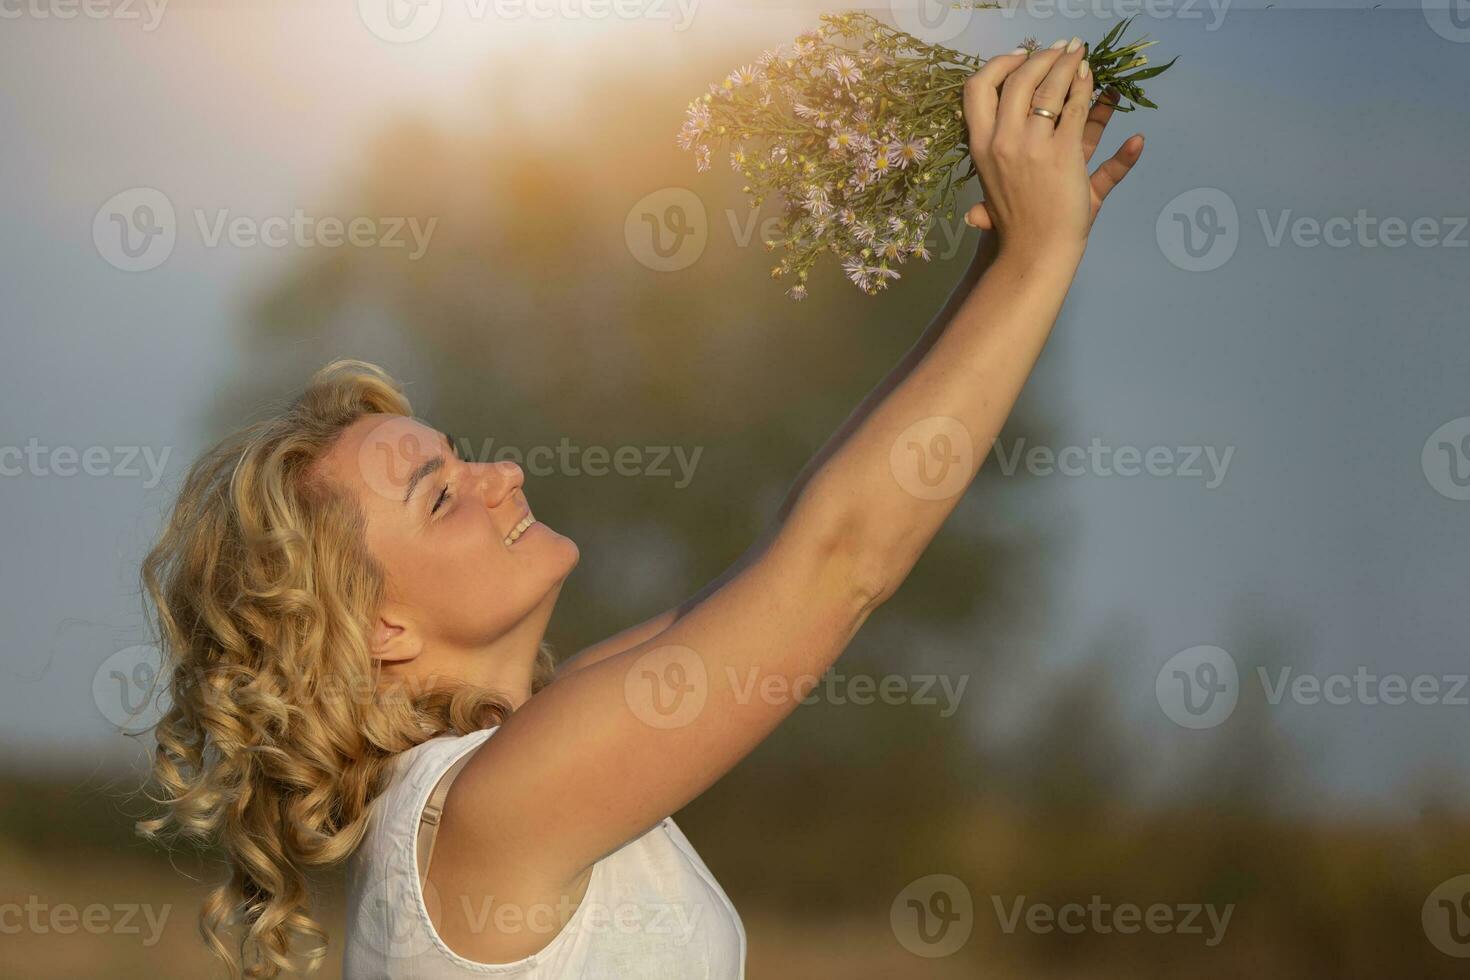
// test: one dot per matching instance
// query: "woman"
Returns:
(354, 621)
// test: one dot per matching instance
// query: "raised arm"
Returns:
(610, 749)
(985, 252)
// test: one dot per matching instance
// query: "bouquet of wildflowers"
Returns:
(859, 130)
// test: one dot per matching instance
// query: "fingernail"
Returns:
(1059, 42)
(1083, 69)
(1018, 50)
(968, 221)
(1074, 44)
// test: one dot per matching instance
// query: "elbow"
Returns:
(850, 555)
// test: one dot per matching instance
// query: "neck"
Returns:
(506, 665)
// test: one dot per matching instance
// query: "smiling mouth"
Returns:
(519, 529)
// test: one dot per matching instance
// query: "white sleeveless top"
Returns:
(652, 910)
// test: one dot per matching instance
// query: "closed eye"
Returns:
(440, 500)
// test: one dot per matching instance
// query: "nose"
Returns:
(497, 481)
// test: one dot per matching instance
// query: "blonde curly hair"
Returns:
(279, 731)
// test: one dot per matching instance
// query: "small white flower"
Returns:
(744, 75)
(909, 151)
(844, 69)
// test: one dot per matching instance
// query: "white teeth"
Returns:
(519, 529)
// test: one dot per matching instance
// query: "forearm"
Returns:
(881, 488)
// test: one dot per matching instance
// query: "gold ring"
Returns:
(1037, 110)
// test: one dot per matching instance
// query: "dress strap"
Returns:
(433, 810)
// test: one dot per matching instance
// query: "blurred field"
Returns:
(1310, 900)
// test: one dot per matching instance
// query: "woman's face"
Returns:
(463, 568)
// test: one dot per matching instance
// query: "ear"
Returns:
(393, 640)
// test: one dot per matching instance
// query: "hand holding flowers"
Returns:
(861, 132)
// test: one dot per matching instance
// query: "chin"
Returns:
(562, 553)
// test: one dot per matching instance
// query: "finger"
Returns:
(982, 94)
(1074, 113)
(1019, 88)
(1097, 121)
(1116, 167)
(979, 217)
(1052, 93)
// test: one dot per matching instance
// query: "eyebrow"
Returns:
(424, 469)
